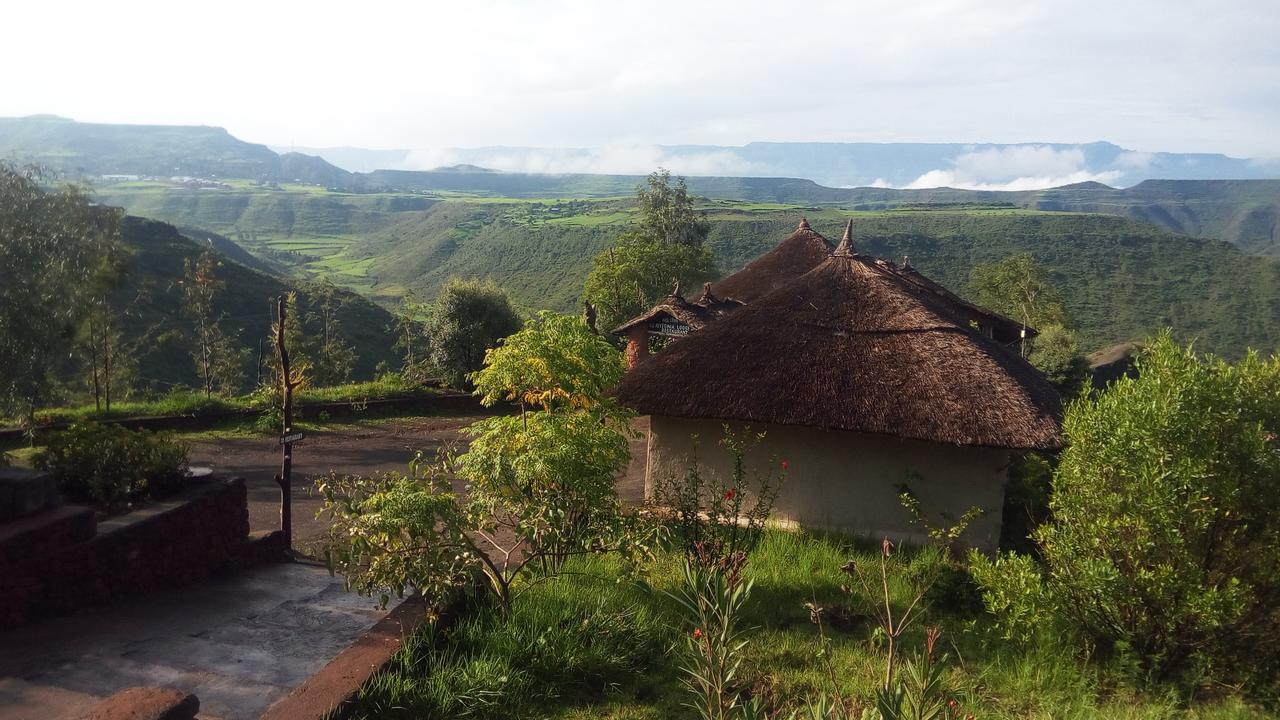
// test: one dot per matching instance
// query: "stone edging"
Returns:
(339, 681)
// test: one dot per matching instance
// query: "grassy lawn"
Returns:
(596, 644)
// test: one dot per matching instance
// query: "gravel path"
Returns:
(377, 447)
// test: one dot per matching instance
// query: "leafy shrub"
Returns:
(1163, 543)
(109, 465)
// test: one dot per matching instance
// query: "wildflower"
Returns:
(697, 633)
(728, 494)
(953, 704)
(785, 465)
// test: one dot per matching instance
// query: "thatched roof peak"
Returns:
(845, 248)
(804, 249)
(852, 345)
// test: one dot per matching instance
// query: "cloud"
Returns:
(610, 159)
(1020, 167)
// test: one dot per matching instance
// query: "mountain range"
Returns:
(977, 166)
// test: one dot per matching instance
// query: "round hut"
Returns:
(862, 380)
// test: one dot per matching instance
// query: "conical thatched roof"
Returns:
(793, 257)
(1005, 329)
(852, 345)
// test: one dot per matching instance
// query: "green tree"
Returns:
(466, 319)
(102, 343)
(1162, 541)
(1056, 353)
(332, 358)
(667, 214)
(407, 326)
(1019, 288)
(219, 363)
(50, 243)
(667, 244)
(539, 484)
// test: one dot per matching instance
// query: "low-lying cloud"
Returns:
(613, 159)
(1020, 167)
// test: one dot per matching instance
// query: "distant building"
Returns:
(864, 376)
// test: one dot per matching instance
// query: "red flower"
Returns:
(952, 703)
(697, 633)
(785, 465)
(728, 494)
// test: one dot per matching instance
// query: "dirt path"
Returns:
(378, 447)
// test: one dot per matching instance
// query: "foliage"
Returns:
(50, 245)
(667, 245)
(568, 640)
(1056, 353)
(467, 318)
(111, 360)
(410, 339)
(219, 361)
(110, 466)
(539, 485)
(1162, 544)
(622, 665)
(331, 357)
(667, 214)
(711, 600)
(1019, 288)
(711, 518)
(554, 363)
(1026, 499)
(922, 692)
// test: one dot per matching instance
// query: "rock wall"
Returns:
(203, 531)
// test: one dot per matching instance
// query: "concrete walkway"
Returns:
(239, 643)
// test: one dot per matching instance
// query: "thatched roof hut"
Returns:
(681, 315)
(853, 344)
(801, 252)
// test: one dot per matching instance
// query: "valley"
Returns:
(1121, 278)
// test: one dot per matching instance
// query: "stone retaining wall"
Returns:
(201, 532)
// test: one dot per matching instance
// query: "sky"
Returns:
(1184, 76)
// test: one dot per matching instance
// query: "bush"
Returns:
(109, 466)
(1162, 544)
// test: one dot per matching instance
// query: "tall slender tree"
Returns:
(50, 243)
(219, 363)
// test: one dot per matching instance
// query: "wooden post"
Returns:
(285, 478)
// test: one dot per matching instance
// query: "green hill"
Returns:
(150, 301)
(88, 150)
(1121, 279)
(1243, 212)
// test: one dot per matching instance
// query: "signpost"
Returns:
(292, 438)
(288, 437)
(671, 328)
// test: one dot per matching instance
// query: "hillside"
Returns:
(1245, 212)
(150, 304)
(1121, 279)
(89, 150)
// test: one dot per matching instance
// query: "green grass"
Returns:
(192, 403)
(597, 644)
